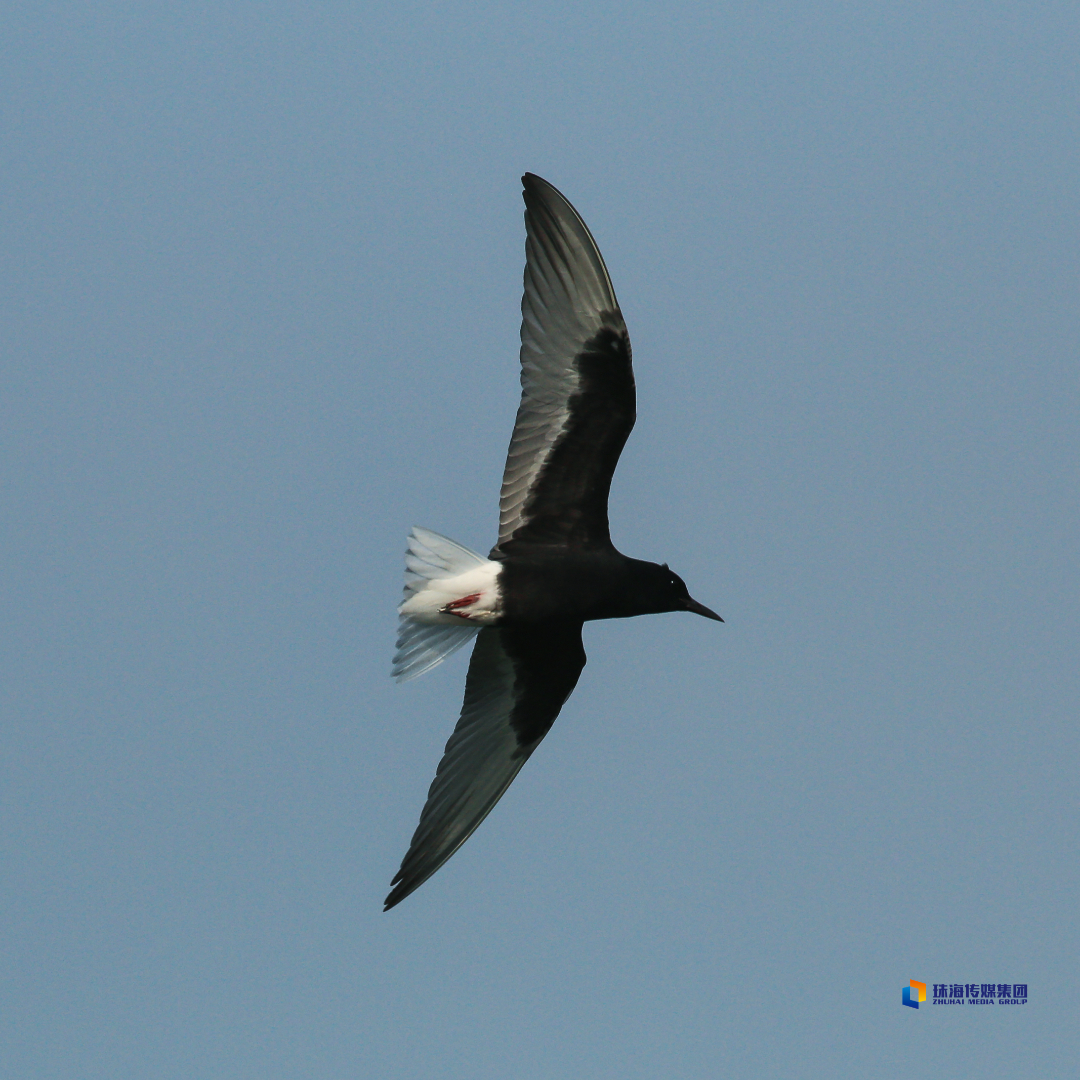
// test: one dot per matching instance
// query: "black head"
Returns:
(663, 590)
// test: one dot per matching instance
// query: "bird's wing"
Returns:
(577, 383)
(517, 683)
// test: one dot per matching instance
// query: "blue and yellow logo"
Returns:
(919, 990)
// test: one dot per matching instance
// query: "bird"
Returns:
(554, 566)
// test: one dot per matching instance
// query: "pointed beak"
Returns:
(701, 609)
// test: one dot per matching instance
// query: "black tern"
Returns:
(554, 566)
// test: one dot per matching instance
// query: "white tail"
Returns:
(426, 634)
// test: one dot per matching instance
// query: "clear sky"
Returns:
(261, 273)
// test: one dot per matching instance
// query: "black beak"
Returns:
(700, 609)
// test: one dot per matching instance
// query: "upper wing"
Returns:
(577, 383)
(517, 683)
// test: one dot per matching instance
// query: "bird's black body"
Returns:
(554, 567)
(548, 584)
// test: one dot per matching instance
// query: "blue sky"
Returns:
(261, 272)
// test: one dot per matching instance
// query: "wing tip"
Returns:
(398, 891)
(548, 212)
(536, 187)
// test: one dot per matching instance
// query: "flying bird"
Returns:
(554, 566)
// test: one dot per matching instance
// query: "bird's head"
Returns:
(664, 590)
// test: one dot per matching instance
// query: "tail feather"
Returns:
(422, 645)
(432, 556)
